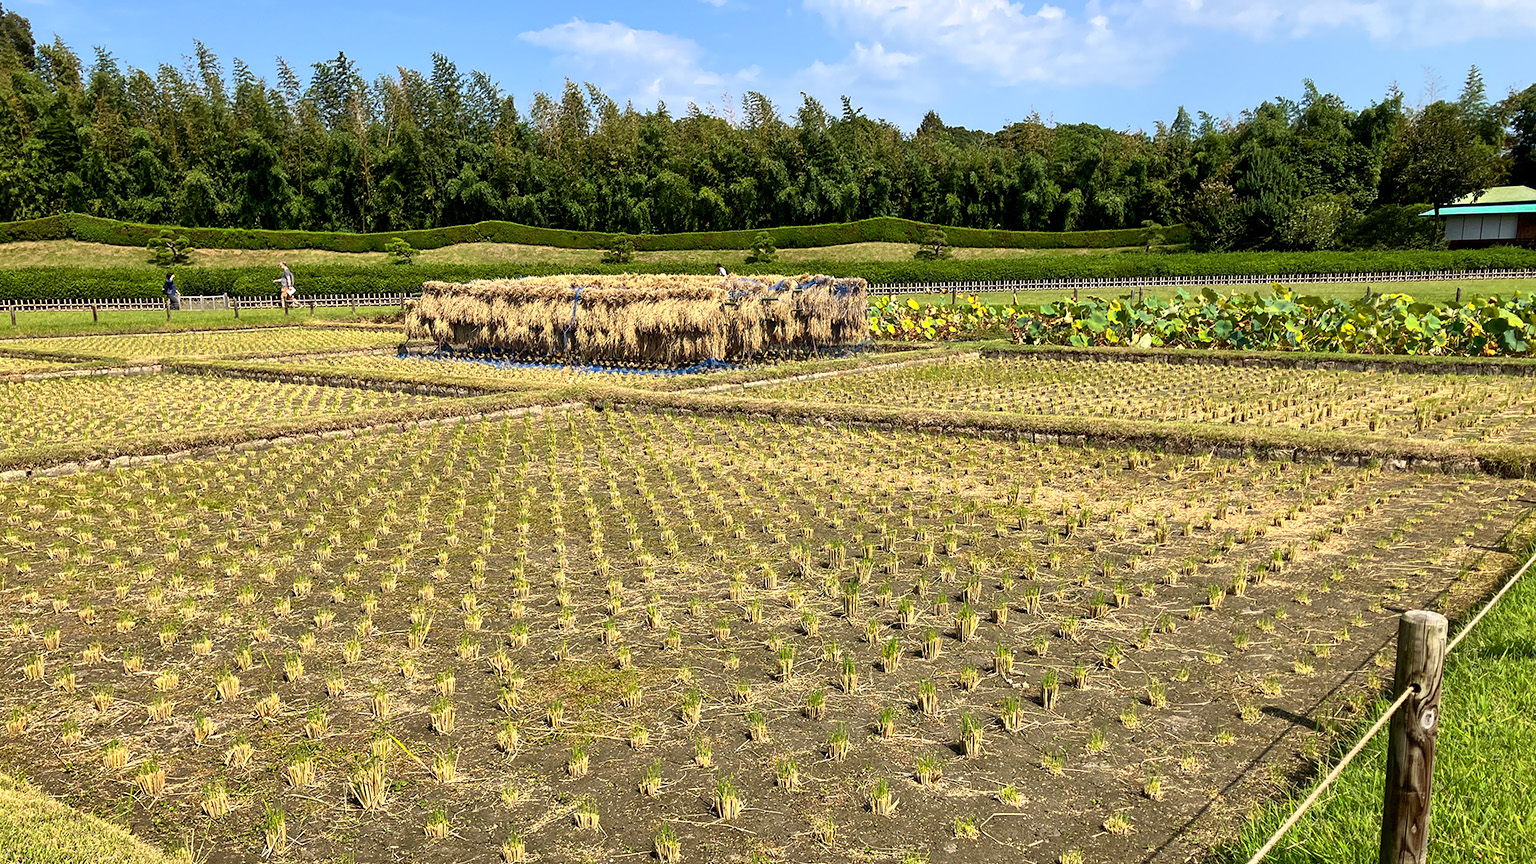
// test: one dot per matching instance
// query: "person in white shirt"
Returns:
(285, 288)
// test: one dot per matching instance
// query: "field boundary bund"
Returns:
(85, 372)
(71, 457)
(340, 379)
(709, 389)
(1420, 456)
(285, 440)
(1364, 363)
(267, 442)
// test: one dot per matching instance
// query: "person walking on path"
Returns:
(720, 269)
(172, 296)
(286, 292)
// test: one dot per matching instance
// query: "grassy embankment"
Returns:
(79, 323)
(73, 253)
(36, 829)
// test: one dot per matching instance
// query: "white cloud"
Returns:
(644, 64)
(1413, 22)
(1006, 43)
(864, 62)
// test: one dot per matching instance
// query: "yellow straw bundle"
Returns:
(651, 319)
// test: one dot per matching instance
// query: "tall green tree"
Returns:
(205, 142)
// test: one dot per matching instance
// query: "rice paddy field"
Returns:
(626, 630)
(265, 342)
(76, 409)
(20, 365)
(1487, 408)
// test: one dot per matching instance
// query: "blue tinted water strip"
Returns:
(497, 363)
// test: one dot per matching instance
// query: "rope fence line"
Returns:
(1386, 717)
(1333, 775)
(1488, 607)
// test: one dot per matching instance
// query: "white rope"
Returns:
(1488, 607)
(1332, 776)
(1402, 698)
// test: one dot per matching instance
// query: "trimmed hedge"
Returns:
(888, 229)
(47, 228)
(1198, 264)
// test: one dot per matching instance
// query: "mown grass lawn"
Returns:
(73, 253)
(36, 829)
(80, 323)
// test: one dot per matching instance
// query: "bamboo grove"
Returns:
(328, 149)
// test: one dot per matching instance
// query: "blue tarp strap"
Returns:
(782, 283)
(575, 304)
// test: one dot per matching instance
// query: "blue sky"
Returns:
(979, 63)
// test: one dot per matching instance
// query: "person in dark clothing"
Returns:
(172, 296)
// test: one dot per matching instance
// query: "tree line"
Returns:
(327, 149)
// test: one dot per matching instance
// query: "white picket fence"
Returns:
(202, 303)
(978, 287)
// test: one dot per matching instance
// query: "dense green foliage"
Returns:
(333, 151)
(51, 283)
(1271, 321)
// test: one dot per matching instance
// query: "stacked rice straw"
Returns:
(643, 319)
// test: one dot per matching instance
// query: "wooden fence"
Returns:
(203, 302)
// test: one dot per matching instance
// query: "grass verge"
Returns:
(36, 829)
(1484, 809)
(79, 323)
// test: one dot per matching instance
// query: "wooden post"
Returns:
(1458, 292)
(311, 308)
(285, 305)
(1411, 745)
(94, 319)
(167, 308)
(236, 303)
(954, 289)
(13, 316)
(354, 307)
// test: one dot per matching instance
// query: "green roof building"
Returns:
(1501, 216)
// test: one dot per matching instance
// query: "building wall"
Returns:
(1481, 228)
